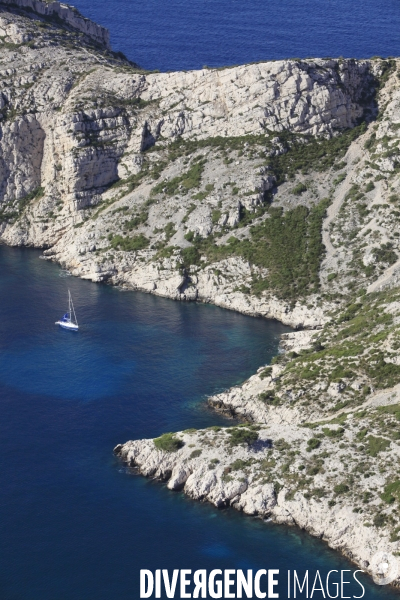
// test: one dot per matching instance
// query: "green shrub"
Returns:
(391, 492)
(299, 189)
(318, 492)
(317, 155)
(350, 312)
(281, 444)
(241, 435)
(190, 236)
(195, 453)
(339, 179)
(362, 434)
(369, 187)
(288, 244)
(370, 141)
(34, 195)
(290, 494)
(339, 166)
(128, 244)
(190, 256)
(187, 181)
(394, 536)
(226, 475)
(137, 220)
(269, 398)
(384, 374)
(189, 211)
(385, 254)
(168, 442)
(376, 445)
(340, 372)
(394, 409)
(333, 433)
(267, 372)
(313, 444)
(379, 520)
(200, 196)
(314, 470)
(341, 488)
(215, 216)
(239, 464)
(169, 230)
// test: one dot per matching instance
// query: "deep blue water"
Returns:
(182, 34)
(73, 524)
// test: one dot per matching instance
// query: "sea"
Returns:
(74, 523)
(191, 34)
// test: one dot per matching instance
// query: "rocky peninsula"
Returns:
(272, 189)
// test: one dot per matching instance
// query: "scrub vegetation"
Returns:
(168, 442)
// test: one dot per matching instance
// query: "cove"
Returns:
(73, 524)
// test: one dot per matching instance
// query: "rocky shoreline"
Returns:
(258, 475)
(208, 468)
(272, 189)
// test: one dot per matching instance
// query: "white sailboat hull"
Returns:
(67, 325)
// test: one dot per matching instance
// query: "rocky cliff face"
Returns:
(316, 96)
(272, 189)
(69, 16)
(87, 139)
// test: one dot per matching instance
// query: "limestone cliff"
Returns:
(272, 189)
(88, 140)
(68, 15)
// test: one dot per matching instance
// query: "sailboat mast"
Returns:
(72, 314)
(76, 320)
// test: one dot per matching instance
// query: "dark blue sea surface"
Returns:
(74, 525)
(182, 34)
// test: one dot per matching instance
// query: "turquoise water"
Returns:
(175, 34)
(74, 525)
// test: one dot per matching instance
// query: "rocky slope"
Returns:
(68, 15)
(294, 476)
(271, 189)
(335, 476)
(88, 142)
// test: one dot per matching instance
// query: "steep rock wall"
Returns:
(69, 14)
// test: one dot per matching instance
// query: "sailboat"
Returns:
(69, 320)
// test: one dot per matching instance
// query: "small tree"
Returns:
(168, 442)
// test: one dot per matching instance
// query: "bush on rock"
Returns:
(168, 442)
